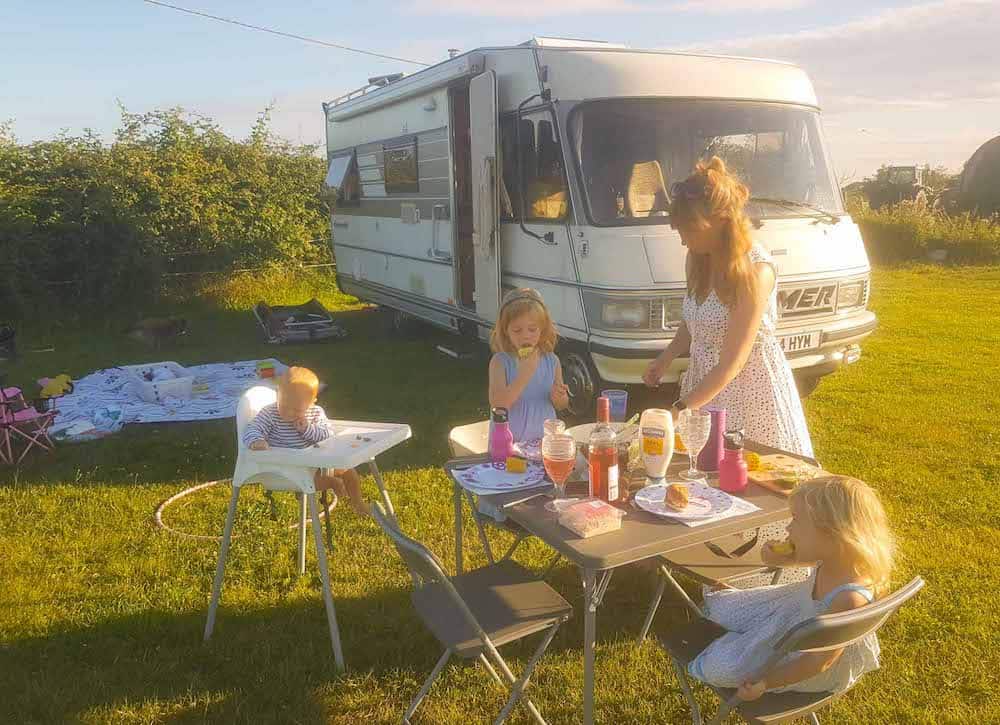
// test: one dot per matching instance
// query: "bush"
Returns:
(908, 231)
(103, 221)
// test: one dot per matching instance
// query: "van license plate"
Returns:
(799, 342)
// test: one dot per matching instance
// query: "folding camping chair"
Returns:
(21, 423)
(711, 563)
(822, 633)
(468, 443)
(474, 613)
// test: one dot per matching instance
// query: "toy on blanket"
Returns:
(156, 382)
(55, 387)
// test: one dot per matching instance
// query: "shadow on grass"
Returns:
(259, 666)
(269, 665)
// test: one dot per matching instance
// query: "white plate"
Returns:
(581, 433)
(704, 502)
(487, 476)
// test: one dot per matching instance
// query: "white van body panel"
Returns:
(402, 249)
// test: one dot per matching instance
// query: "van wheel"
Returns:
(582, 381)
(806, 383)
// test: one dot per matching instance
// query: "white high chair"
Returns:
(293, 470)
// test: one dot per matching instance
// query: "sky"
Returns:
(899, 82)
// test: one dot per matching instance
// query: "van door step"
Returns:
(458, 352)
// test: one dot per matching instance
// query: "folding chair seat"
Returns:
(506, 599)
(474, 613)
(721, 561)
(822, 633)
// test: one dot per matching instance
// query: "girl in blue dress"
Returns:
(525, 374)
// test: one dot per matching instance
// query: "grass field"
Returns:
(101, 613)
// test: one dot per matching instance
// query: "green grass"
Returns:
(101, 613)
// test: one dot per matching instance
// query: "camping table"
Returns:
(641, 536)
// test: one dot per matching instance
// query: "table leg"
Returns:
(589, 635)
(456, 494)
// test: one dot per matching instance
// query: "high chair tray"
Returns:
(350, 444)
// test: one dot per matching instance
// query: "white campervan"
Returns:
(548, 165)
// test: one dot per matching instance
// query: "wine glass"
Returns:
(552, 426)
(695, 426)
(559, 459)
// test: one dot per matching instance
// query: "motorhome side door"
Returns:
(485, 193)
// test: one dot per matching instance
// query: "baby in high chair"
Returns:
(295, 421)
(838, 527)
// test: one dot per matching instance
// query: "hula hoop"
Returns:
(158, 515)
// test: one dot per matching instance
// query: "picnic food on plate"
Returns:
(677, 496)
(753, 461)
(516, 464)
(784, 548)
(523, 352)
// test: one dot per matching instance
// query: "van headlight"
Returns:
(851, 294)
(610, 312)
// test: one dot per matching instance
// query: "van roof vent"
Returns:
(549, 42)
(385, 80)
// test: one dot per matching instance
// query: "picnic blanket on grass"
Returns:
(218, 387)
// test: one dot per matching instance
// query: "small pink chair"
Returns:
(23, 424)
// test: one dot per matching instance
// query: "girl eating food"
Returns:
(525, 374)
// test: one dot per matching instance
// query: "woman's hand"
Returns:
(751, 690)
(654, 371)
(259, 445)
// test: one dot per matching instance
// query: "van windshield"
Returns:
(630, 152)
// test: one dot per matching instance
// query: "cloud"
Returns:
(554, 8)
(934, 53)
(908, 85)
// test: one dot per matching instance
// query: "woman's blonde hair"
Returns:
(517, 303)
(851, 512)
(714, 192)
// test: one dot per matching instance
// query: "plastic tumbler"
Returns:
(618, 400)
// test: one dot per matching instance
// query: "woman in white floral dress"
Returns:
(729, 319)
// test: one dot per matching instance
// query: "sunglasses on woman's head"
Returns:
(689, 190)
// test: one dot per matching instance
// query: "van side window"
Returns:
(400, 167)
(542, 179)
(342, 184)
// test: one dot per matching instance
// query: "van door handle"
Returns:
(437, 214)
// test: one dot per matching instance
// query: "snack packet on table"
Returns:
(591, 517)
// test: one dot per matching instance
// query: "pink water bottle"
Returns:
(501, 439)
(733, 469)
(711, 454)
